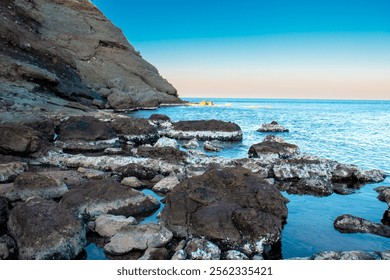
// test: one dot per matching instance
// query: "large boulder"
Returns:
(139, 131)
(98, 197)
(232, 206)
(139, 171)
(44, 229)
(120, 100)
(351, 224)
(272, 127)
(273, 147)
(18, 140)
(138, 237)
(30, 184)
(205, 130)
(86, 133)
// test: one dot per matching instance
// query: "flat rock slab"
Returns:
(138, 237)
(44, 229)
(137, 130)
(168, 154)
(98, 197)
(205, 130)
(351, 224)
(232, 205)
(31, 184)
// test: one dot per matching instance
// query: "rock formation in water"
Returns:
(66, 53)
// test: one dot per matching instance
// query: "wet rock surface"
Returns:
(44, 229)
(98, 197)
(351, 224)
(230, 205)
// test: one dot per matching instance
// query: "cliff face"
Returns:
(61, 51)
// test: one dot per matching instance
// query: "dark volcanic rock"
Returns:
(202, 249)
(31, 184)
(137, 170)
(8, 249)
(384, 194)
(231, 205)
(159, 118)
(272, 127)
(18, 140)
(139, 131)
(312, 186)
(4, 211)
(99, 197)
(205, 130)
(169, 154)
(351, 224)
(120, 100)
(273, 147)
(44, 229)
(386, 218)
(351, 173)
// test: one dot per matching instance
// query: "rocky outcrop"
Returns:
(351, 224)
(98, 197)
(231, 206)
(205, 130)
(313, 186)
(159, 118)
(138, 237)
(44, 229)
(32, 184)
(138, 131)
(383, 194)
(68, 50)
(272, 127)
(273, 147)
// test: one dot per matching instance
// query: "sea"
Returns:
(349, 131)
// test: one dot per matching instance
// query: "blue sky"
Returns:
(290, 49)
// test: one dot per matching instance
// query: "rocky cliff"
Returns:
(66, 53)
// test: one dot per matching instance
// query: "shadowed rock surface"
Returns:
(4, 212)
(231, 205)
(44, 229)
(351, 224)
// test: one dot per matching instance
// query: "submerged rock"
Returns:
(351, 224)
(31, 184)
(98, 197)
(138, 237)
(202, 249)
(44, 229)
(212, 146)
(9, 171)
(272, 148)
(272, 127)
(205, 130)
(230, 206)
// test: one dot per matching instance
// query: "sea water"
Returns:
(353, 132)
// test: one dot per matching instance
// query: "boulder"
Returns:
(138, 237)
(139, 131)
(230, 205)
(120, 100)
(167, 184)
(4, 212)
(166, 142)
(16, 139)
(191, 144)
(98, 197)
(300, 168)
(137, 170)
(212, 146)
(109, 225)
(32, 184)
(351, 224)
(132, 182)
(272, 127)
(205, 130)
(9, 171)
(44, 229)
(273, 147)
(202, 249)
(383, 194)
(159, 118)
(168, 154)
(234, 255)
(155, 254)
(312, 186)
(79, 134)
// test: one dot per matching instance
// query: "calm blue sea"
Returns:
(348, 131)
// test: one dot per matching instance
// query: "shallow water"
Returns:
(347, 131)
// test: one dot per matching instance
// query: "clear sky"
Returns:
(262, 48)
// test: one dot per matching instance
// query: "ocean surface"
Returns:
(349, 131)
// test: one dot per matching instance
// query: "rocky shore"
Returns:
(74, 173)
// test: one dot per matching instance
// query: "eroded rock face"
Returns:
(138, 237)
(351, 224)
(98, 197)
(231, 205)
(312, 186)
(205, 130)
(66, 48)
(139, 131)
(272, 127)
(273, 147)
(44, 229)
(31, 184)
(18, 140)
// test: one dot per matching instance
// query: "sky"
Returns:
(334, 49)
